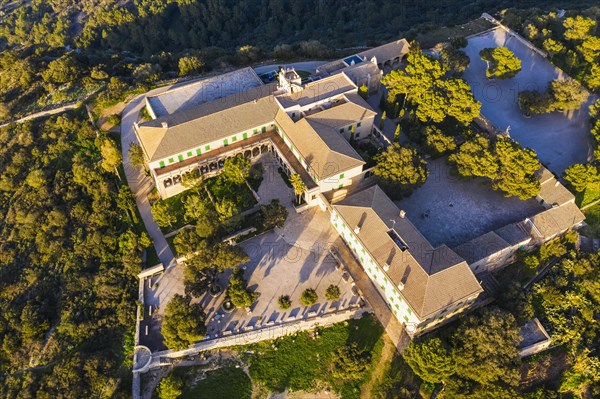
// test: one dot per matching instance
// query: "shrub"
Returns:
(333, 292)
(284, 302)
(309, 297)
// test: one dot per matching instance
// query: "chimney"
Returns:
(402, 213)
(165, 124)
(400, 286)
(386, 267)
(357, 230)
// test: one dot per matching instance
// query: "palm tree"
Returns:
(298, 184)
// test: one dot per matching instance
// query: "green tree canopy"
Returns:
(171, 387)
(456, 61)
(136, 155)
(183, 323)
(238, 292)
(111, 156)
(309, 297)
(502, 63)
(189, 65)
(430, 360)
(510, 167)
(581, 176)
(400, 169)
(433, 95)
(349, 362)
(332, 292)
(237, 169)
(486, 347)
(163, 214)
(578, 27)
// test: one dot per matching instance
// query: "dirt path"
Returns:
(387, 353)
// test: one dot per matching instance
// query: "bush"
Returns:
(284, 302)
(114, 119)
(333, 292)
(238, 291)
(309, 297)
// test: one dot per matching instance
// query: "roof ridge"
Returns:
(335, 133)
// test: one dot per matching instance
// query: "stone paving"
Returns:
(451, 210)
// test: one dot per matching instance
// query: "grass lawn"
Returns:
(398, 381)
(226, 382)
(300, 362)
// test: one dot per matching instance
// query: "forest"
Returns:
(69, 259)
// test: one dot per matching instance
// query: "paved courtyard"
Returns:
(560, 139)
(449, 210)
(277, 268)
(284, 261)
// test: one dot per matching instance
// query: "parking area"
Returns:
(560, 139)
(450, 210)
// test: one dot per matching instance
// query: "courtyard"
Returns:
(451, 210)
(283, 261)
(560, 139)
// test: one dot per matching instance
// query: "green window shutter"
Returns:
(409, 311)
(161, 164)
(225, 143)
(255, 131)
(180, 157)
(198, 151)
(264, 129)
(245, 136)
(207, 148)
(234, 139)
(171, 160)
(406, 319)
(341, 185)
(190, 154)
(341, 176)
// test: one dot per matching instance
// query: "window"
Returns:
(264, 129)
(341, 176)
(225, 143)
(171, 160)
(189, 154)
(244, 136)
(406, 319)
(234, 139)
(342, 130)
(207, 148)
(341, 186)
(356, 135)
(180, 157)
(161, 164)
(350, 128)
(255, 131)
(198, 151)
(358, 124)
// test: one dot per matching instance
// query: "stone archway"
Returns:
(167, 183)
(248, 154)
(177, 179)
(213, 166)
(256, 152)
(204, 169)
